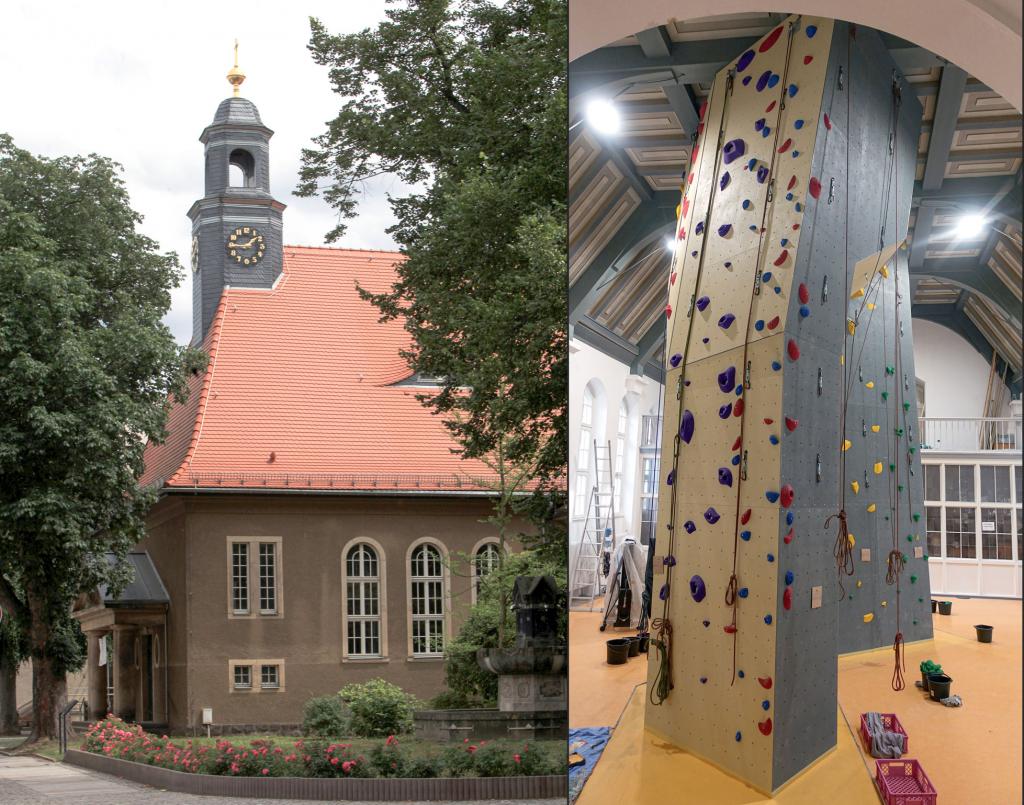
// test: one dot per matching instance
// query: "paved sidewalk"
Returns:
(26, 780)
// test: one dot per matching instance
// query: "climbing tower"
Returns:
(789, 400)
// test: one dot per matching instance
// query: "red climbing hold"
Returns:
(789, 537)
(792, 183)
(814, 187)
(672, 279)
(689, 179)
(681, 234)
(768, 421)
(828, 123)
(770, 107)
(737, 443)
(730, 629)
(766, 682)
(770, 40)
(787, 598)
(693, 154)
(745, 517)
(773, 323)
(791, 424)
(793, 350)
(804, 294)
(781, 258)
(668, 311)
(786, 496)
(785, 146)
(700, 128)
(737, 409)
(808, 59)
(796, 227)
(765, 726)
(686, 205)
(702, 110)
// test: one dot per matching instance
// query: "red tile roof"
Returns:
(299, 392)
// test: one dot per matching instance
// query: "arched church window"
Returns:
(362, 574)
(241, 169)
(485, 560)
(426, 581)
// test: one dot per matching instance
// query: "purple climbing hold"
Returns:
(744, 61)
(690, 526)
(723, 230)
(703, 302)
(706, 623)
(669, 561)
(727, 379)
(733, 149)
(686, 382)
(768, 619)
(746, 80)
(728, 264)
(724, 181)
(725, 322)
(762, 174)
(703, 680)
(762, 82)
(711, 515)
(705, 340)
(759, 124)
(699, 228)
(675, 360)
(725, 411)
(725, 476)
(697, 589)
(671, 479)
(686, 426)
(663, 592)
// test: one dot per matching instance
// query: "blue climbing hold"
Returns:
(766, 705)
(723, 230)
(686, 425)
(789, 196)
(798, 123)
(789, 577)
(773, 80)
(727, 379)
(706, 623)
(711, 515)
(740, 674)
(743, 592)
(739, 390)
(725, 322)
(698, 228)
(804, 311)
(773, 439)
(768, 619)
(724, 181)
(690, 526)
(766, 131)
(725, 476)
(693, 253)
(789, 518)
(795, 154)
(739, 735)
(792, 90)
(745, 536)
(747, 204)
(671, 478)
(762, 81)
(735, 460)
(703, 302)
(784, 242)
(766, 276)
(776, 366)
(675, 360)
(772, 496)
(759, 124)
(762, 174)
(770, 557)
(752, 163)
(798, 207)
(811, 31)
(725, 411)
(744, 61)
(777, 289)
(705, 340)
(703, 680)
(753, 227)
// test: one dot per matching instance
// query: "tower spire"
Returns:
(236, 76)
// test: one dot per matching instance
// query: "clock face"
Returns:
(245, 245)
(195, 254)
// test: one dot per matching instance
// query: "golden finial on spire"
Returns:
(236, 76)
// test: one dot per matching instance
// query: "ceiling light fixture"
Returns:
(603, 117)
(970, 226)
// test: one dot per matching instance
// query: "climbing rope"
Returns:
(662, 642)
(843, 550)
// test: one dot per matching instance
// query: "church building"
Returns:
(314, 526)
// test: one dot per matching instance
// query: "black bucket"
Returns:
(945, 607)
(938, 686)
(634, 646)
(935, 606)
(645, 643)
(618, 650)
(984, 633)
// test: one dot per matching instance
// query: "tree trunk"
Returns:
(49, 688)
(8, 694)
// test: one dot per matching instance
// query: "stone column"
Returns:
(96, 676)
(126, 675)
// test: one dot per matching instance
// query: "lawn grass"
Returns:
(19, 745)
(8, 743)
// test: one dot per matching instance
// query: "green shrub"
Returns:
(451, 700)
(494, 760)
(458, 760)
(534, 760)
(325, 717)
(378, 708)
(423, 766)
(333, 760)
(387, 759)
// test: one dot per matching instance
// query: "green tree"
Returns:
(88, 373)
(466, 102)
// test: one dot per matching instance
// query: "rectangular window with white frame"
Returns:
(256, 676)
(254, 577)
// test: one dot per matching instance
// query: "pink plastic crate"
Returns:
(891, 723)
(903, 782)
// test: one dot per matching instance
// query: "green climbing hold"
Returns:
(892, 468)
(885, 395)
(890, 370)
(909, 538)
(920, 600)
(913, 450)
(899, 431)
(915, 621)
(906, 406)
(913, 579)
(904, 557)
(900, 487)
(851, 596)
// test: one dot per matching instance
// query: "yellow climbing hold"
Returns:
(851, 328)
(884, 604)
(872, 507)
(871, 306)
(857, 294)
(860, 583)
(878, 468)
(842, 360)
(851, 539)
(884, 271)
(855, 487)
(679, 209)
(869, 617)
(875, 428)
(870, 384)
(847, 444)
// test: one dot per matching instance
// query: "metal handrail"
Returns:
(62, 725)
(970, 433)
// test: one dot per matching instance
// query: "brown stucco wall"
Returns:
(187, 539)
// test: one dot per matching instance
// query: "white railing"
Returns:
(970, 434)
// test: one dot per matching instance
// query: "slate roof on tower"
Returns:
(300, 392)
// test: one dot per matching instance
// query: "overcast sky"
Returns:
(138, 82)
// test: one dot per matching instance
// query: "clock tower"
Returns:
(236, 225)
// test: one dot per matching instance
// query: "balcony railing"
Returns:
(970, 434)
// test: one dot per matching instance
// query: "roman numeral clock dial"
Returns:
(245, 245)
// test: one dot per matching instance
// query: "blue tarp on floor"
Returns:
(594, 740)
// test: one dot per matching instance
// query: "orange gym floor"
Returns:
(972, 754)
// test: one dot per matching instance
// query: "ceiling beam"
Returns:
(682, 104)
(923, 225)
(971, 190)
(604, 340)
(980, 123)
(654, 42)
(646, 221)
(947, 110)
(964, 272)
(648, 346)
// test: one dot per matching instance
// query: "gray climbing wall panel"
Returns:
(757, 321)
